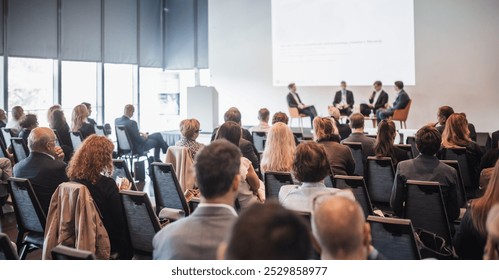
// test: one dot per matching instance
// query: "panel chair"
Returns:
(394, 238)
(7, 251)
(259, 139)
(358, 187)
(19, 148)
(142, 222)
(295, 114)
(99, 130)
(29, 215)
(125, 146)
(469, 178)
(65, 253)
(6, 136)
(76, 140)
(170, 200)
(401, 115)
(121, 169)
(407, 148)
(358, 156)
(274, 181)
(461, 191)
(380, 176)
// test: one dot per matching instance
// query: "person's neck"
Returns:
(264, 123)
(359, 255)
(227, 199)
(358, 130)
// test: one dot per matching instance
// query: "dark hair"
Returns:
(58, 119)
(263, 114)
(280, 117)
(489, 159)
(233, 115)
(445, 111)
(291, 85)
(310, 163)
(343, 82)
(378, 83)
(383, 147)
(88, 105)
(230, 131)
(271, 232)
(28, 121)
(428, 140)
(216, 166)
(399, 84)
(357, 120)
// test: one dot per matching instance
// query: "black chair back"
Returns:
(407, 148)
(99, 130)
(459, 154)
(357, 185)
(7, 251)
(3, 151)
(64, 253)
(58, 141)
(259, 139)
(394, 238)
(484, 141)
(274, 181)
(425, 207)
(141, 221)
(124, 143)
(358, 157)
(380, 175)
(121, 170)
(167, 190)
(411, 140)
(461, 191)
(19, 148)
(6, 136)
(76, 140)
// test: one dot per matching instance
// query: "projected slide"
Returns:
(321, 42)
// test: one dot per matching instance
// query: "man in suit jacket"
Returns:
(357, 124)
(141, 142)
(44, 166)
(198, 236)
(426, 167)
(381, 101)
(399, 103)
(343, 100)
(443, 114)
(294, 101)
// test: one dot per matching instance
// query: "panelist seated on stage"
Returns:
(294, 101)
(343, 100)
(399, 103)
(381, 101)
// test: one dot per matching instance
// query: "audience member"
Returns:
(263, 117)
(339, 156)
(189, 128)
(343, 129)
(487, 167)
(250, 188)
(357, 124)
(310, 166)
(280, 117)
(268, 232)
(491, 251)
(383, 146)
(89, 108)
(400, 102)
(60, 126)
(198, 236)
(426, 167)
(279, 149)
(141, 142)
(343, 100)
(28, 123)
(17, 115)
(381, 101)
(443, 114)
(92, 166)
(44, 166)
(51, 110)
(3, 118)
(471, 237)
(294, 101)
(79, 121)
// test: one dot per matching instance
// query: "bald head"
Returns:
(129, 110)
(340, 228)
(40, 140)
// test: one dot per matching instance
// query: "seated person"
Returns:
(426, 167)
(44, 166)
(189, 128)
(310, 166)
(141, 142)
(294, 101)
(198, 236)
(383, 145)
(3, 118)
(443, 114)
(279, 149)
(267, 232)
(28, 123)
(487, 166)
(59, 124)
(79, 121)
(14, 123)
(400, 102)
(283, 118)
(234, 115)
(263, 117)
(343, 129)
(343, 100)
(381, 101)
(89, 108)
(357, 124)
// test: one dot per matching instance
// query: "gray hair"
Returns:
(38, 139)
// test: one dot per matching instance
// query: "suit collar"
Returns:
(214, 209)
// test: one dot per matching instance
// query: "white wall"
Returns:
(457, 61)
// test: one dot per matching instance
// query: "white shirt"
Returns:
(296, 98)
(343, 96)
(231, 209)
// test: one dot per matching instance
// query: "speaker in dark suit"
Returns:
(294, 101)
(399, 103)
(381, 100)
(343, 100)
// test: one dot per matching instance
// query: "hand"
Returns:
(145, 135)
(124, 184)
(301, 106)
(59, 153)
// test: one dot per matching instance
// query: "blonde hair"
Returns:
(480, 207)
(279, 149)
(324, 128)
(456, 132)
(79, 117)
(189, 128)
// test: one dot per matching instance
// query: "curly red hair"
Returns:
(92, 159)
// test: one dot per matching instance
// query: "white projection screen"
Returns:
(322, 42)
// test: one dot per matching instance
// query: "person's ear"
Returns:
(367, 235)
(235, 183)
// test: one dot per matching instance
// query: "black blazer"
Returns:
(380, 101)
(291, 100)
(91, 121)
(45, 174)
(350, 100)
(132, 130)
(87, 130)
(246, 135)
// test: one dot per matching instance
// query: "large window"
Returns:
(120, 82)
(31, 85)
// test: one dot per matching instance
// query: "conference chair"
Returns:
(7, 251)
(170, 200)
(380, 175)
(64, 253)
(469, 176)
(461, 191)
(358, 187)
(125, 146)
(402, 114)
(306, 217)
(121, 169)
(295, 114)
(3, 151)
(76, 140)
(6, 136)
(484, 140)
(394, 238)
(358, 156)
(411, 140)
(29, 215)
(142, 222)
(19, 148)
(99, 130)
(259, 139)
(274, 181)
(407, 148)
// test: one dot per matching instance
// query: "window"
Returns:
(119, 89)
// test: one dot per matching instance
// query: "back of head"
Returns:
(51, 111)
(39, 138)
(230, 131)
(58, 119)
(270, 232)
(3, 116)
(428, 140)
(280, 117)
(129, 110)
(216, 166)
(17, 112)
(279, 149)
(88, 105)
(399, 85)
(357, 121)
(324, 128)
(78, 117)
(456, 132)
(378, 83)
(445, 111)
(310, 163)
(233, 115)
(263, 115)
(339, 226)
(29, 121)
(291, 85)
(481, 206)
(383, 146)
(189, 128)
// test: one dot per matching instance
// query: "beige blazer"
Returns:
(183, 164)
